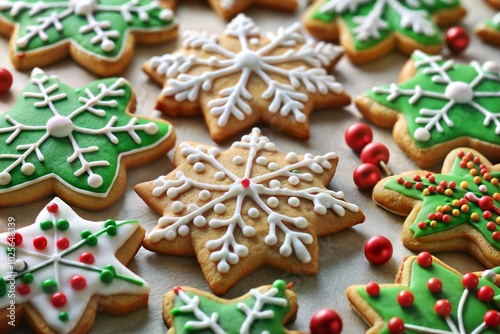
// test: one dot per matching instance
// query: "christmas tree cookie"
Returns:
(457, 210)
(98, 34)
(489, 30)
(246, 207)
(428, 296)
(75, 143)
(439, 105)
(262, 310)
(241, 77)
(494, 3)
(369, 29)
(56, 273)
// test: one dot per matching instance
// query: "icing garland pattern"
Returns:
(264, 190)
(262, 312)
(61, 261)
(371, 21)
(72, 135)
(455, 305)
(254, 58)
(447, 100)
(102, 25)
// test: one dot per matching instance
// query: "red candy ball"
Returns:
(78, 282)
(23, 289)
(18, 239)
(87, 258)
(325, 321)
(358, 136)
(434, 285)
(442, 307)
(486, 294)
(366, 176)
(492, 319)
(405, 298)
(374, 152)
(40, 242)
(52, 208)
(245, 182)
(486, 203)
(58, 299)
(62, 243)
(470, 281)
(372, 289)
(396, 325)
(378, 250)
(5, 80)
(457, 39)
(424, 259)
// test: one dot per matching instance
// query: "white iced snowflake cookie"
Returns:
(242, 77)
(248, 206)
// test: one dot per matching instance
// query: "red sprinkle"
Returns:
(40, 242)
(443, 307)
(487, 215)
(78, 282)
(446, 219)
(23, 289)
(476, 160)
(18, 238)
(396, 326)
(452, 185)
(52, 208)
(496, 235)
(372, 289)
(87, 258)
(405, 298)
(419, 185)
(491, 226)
(62, 243)
(461, 154)
(400, 180)
(470, 281)
(21, 55)
(407, 184)
(492, 319)
(177, 289)
(417, 177)
(424, 259)
(486, 294)
(58, 299)
(245, 182)
(422, 225)
(434, 285)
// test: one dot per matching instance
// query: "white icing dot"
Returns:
(459, 92)
(192, 207)
(301, 118)
(219, 176)
(95, 180)
(489, 275)
(170, 235)
(199, 221)
(491, 66)
(22, 42)
(270, 147)
(422, 134)
(219, 208)
(199, 167)
(5, 178)
(293, 180)
(261, 161)
(320, 209)
(166, 15)
(151, 128)
(83, 7)
(301, 222)
(184, 152)
(254, 41)
(253, 213)
(223, 267)
(20, 265)
(28, 169)
(183, 230)
(59, 126)
(273, 166)
(107, 45)
(292, 157)
(248, 231)
(238, 160)
(271, 240)
(273, 202)
(483, 188)
(204, 195)
(275, 184)
(172, 193)
(176, 207)
(293, 202)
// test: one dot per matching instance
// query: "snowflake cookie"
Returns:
(75, 143)
(262, 310)
(56, 273)
(369, 29)
(457, 210)
(428, 296)
(98, 34)
(489, 30)
(440, 105)
(240, 78)
(245, 207)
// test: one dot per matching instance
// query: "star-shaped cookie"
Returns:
(457, 210)
(429, 296)
(98, 34)
(489, 30)
(439, 105)
(246, 207)
(262, 310)
(241, 77)
(63, 268)
(369, 29)
(75, 143)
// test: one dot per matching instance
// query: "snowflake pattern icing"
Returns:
(227, 250)
(233, 101)
(456, 95)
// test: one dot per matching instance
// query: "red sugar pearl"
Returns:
(434, 285)
(469, 155)
(492, 319)
(424, 259)
(443, 183)
(400, 180)
(431, 189)
(245, 182)
(463, 164)
(419, 185)
(18, 238)
(470, 281)
(491, 226)
(486, 203)
(417, 178)
(460, 154)
(452, 185)
(496, 236)
(476, 160)
(78, 282)
(62, 243)
(40, 242)
(422, 225)
(52, 208)
(396, 326)
(407, 184)
(405, 298)
(443, 307)
(439, 215)
(432, 178)
(177, 289)
(23, 289)
(487, 215)
(58, 299)
(463, 201)
(439, 189)
(372, 289)
(446, 219)
(431, 216)
(87, 258)
(486, 294)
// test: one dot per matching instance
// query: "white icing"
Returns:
(422, 134)
(199, 167)
(293, 180)
(273, 166)
(286, 96)
(219, 176)
(176, 207)
(491, 66)
(261, 161)
(62, 265)
(83, 7)
(459, 92)
(291, 157)
(238, 160)
(489, 275)
(28, 169)
(95, 180)
(204, 195)
(59, 126)
(226, 250)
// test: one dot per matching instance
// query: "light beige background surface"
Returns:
(342, 261)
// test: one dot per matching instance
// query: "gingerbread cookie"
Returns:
(98, 34)
(494, 3)
(429, 296)
(369, 29)
(262, 310)
(246, 207)
(489, 30)
(75, 143)
(227, 9)
(457, 210)
(440, 105)
(240, 78)
(56, 273)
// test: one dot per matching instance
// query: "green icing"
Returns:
(56, 150)
(107, 10)
(391, 15)
(230, 317)
(435, 199)
(494, 23)
(421, 313)
(467, 118)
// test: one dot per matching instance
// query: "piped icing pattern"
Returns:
(76, 136)
(61, 261)
(103, 25)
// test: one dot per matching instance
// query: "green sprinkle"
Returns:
(107, 276)
(111, 230)
(46, 225)
(280, 285)
(91, 240)
(62, 224)
(85, 234)
(109, 222)
(3, 287)
(49, 286)
(111, 268)
(63, 316)
(28, 278)
(295, 171)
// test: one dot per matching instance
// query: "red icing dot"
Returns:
(87, 258)
(177, 289)
(487, 215)
(446, 218)
(422, 225)
(18, 238)
(23, 289)
(470, 281)
(496, 235)
(460, 154)
(62, 243)
(405, 298)
(325, 321)
(491, 226)
(432, 178)
(40, 242)
(424, 259)
(52, 208)
(58, 299)
(400, 180)
(245, 182)
(407, 184)
(452, 185)
(417, 177)
(485, 294)
(492, 319)
(419, 185)
(442, 307)
(373, 289)
(434, 285)
(486, 203)
(21, 55)
(396, 325)
(78, 282)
